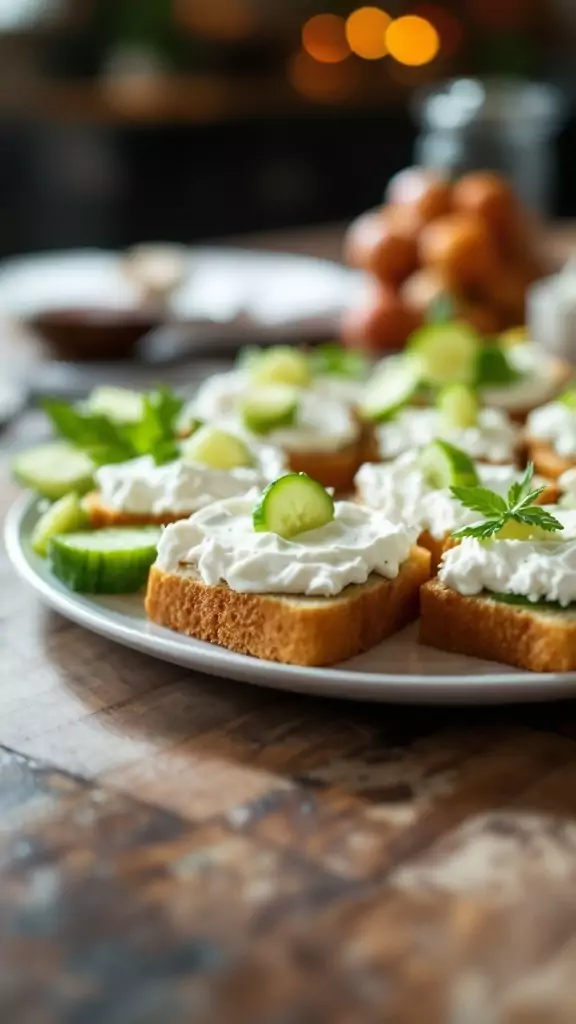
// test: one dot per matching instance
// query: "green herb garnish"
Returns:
(106, 441)
(494, 368)
(518, 507)
(336, 361)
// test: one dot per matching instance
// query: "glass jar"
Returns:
(503, 125)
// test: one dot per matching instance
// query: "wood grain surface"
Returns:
(179, 849)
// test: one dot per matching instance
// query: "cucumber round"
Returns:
(292, 505)
(217, 449)
(54, 470)
(569, 398)
(114, 561)
(458, 406)
(63, 517)
(525, 531)
(119, 404)
(269, 408)
(390, 390)
(281, 365)
(446, 353)
(446, 466)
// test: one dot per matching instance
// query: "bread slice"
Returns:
(546, 461)
(332, 469)
(538, 639)
(100, 515)
(292, 630)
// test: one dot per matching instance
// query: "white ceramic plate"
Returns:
(397, 671)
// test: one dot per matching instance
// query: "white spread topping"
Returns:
(538, 383)
(567, 485)
(140, 487)
(217, 397)
(494, 437)
(543, 571)
(399, 489)
(555, 423)
(219, 545)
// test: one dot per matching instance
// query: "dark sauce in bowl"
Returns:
(92, 333)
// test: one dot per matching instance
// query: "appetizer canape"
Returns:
(416, 489)
(288, 575)
(551, 436)
(536, 377)
(507, 591)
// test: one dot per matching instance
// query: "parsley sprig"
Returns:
(106, 440)
(518, 507)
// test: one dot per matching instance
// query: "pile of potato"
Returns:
(469, 238)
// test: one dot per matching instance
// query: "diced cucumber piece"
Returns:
(114, 561)
(119, 404)
(458, 406)
(337, 361)
(292, 505)
(63, 517)
(391, 388)
(526, 531)
(446, 353)
(446, 466)
(54, 470)
(267, 409)
(281, 365)
(494, 368)
(569, 398)
(217, 449)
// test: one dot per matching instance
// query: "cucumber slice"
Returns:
(54, 470)
(114, 561)
(291, 505)
(390, 389)
(446, 353)
(336, 361)
(63, 517)
(119, 404)
(458, 406)
(267, 409)
(525, 531)
(446, 466)
(569, 399)
(217, 449)
(281, 365)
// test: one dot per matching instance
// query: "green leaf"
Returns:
(480, 499)
(537, 516)
(481, 531)
(442, 310)
(336, 361)
(494, 368)
(521, 486)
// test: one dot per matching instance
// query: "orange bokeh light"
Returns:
(412, 40)
(446, 24)
(322, 82)
(366, 32)
(324, 38)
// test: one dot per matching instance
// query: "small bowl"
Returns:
(85, 334)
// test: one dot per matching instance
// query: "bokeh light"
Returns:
(322, 82)
(324, 38)
(412, 40)
(446, 24)
(366, 32)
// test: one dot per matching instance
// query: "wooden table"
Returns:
(179, 849)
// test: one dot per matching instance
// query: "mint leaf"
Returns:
(335, 361)
(521, 486)
(482, 531)
(537, 516)
(480, 499)
(494, 369)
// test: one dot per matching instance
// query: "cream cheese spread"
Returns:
(493, 438)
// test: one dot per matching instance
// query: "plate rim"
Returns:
(462, 688)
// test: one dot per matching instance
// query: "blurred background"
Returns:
(128, 120)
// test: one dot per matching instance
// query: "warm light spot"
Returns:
(366, 32)
(324, 38)
(446, 24)
(218, 19)
(322, 82)
(412, 40)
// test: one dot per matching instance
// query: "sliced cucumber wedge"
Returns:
(54, 470)
(217, 449)
(281, 365)
(114, 561)
(526, 531)
(446, 353)
(446, 466)
(63, 517)
(292, 505)
(569, 398)
(119, 404)
(391, 388)
(458, 406)
(269, 408)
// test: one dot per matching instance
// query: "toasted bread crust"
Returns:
(332, 469)
(292, 630)
(100, 515)
(536, 640)
(562, 374)
(546, 461)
